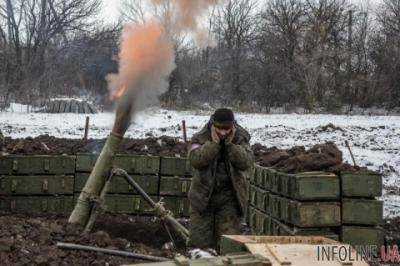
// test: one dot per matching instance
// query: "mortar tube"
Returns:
(96, 181)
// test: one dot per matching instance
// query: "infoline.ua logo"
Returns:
(346, 253)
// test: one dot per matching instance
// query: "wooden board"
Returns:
(298, 254)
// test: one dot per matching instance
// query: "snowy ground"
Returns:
(375, 140)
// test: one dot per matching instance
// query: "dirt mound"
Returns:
(28, 240)
(391, 229)
(321, 157)
(48, 145)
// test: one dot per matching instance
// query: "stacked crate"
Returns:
(361, 212)
(175, 179)
(121, 197)
(317, 203)
(37, 184)
(294, 204)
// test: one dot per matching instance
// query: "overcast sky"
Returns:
(110, 10)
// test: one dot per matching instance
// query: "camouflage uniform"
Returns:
(218, 194)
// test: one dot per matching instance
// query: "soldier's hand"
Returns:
(214, 135)
(231, 135)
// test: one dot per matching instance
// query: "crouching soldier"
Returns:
(221, 155)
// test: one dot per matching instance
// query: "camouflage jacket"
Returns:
(204, 160)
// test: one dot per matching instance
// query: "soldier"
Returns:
(220, 154)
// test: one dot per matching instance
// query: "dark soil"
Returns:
(321, 157)
(48, 145)
(31, 240)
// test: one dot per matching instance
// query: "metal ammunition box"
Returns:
(85, 162)
(260, 199)
(174, 186)
(175, 166)
(180, 207)
(362, 235)
(362, 211)
(365, 184)
(312, 186)
(253, 195)
(37, 204)
(260, 177)
(118, 185)
(35, 185)
(128, 204)
(273, 225)
(137, 164)
(38, 164)
(314, 214)
(304, 214)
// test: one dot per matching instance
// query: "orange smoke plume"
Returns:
(146, 56)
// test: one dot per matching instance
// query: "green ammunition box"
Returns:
(252, 219)
(149, 183)
(180, 207)
(260, 199)
(265, 202)
(269, 178)
(312, 186)
(230, 246)
(276, 182)
(361, 235)
(37, 164)
(128, 204)
(175, 166)
(290, 230)
(260, 178)
(37, 204)
(257, 222)
(274, 206)
(314, 214)
(35, 185)
(85, 162)
(365, 184)
(174, 186)
(253, 195)
(267, 225)
(137, 164)
(362, 211)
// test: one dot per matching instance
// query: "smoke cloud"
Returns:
(146, 57)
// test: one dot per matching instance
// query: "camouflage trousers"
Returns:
(220, 218)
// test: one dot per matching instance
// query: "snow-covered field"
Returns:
(375, 140)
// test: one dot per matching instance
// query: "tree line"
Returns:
(329, 55)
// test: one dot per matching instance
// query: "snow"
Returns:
(375, 140)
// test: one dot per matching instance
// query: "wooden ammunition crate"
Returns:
(174, 186)
(37, 185)
(37, 204)
(37, 164)
(175, 166)
(178, 205)
(362, 235)
(362, 211)
(365, 184)
(118, 185)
